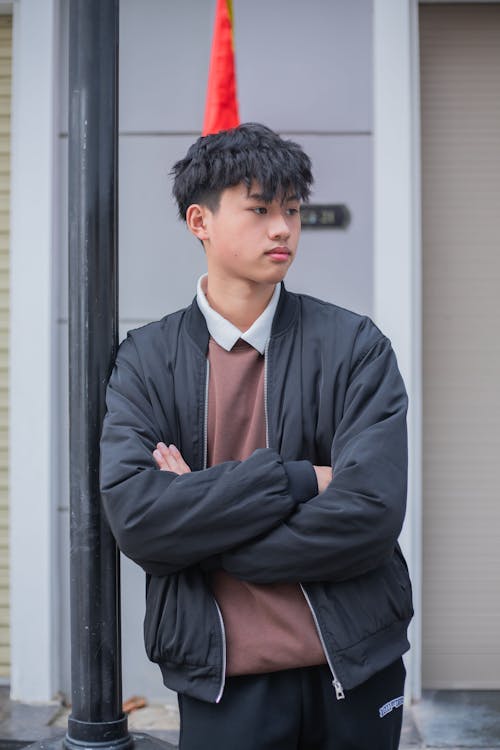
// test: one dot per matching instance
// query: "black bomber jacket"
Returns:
(333, 396)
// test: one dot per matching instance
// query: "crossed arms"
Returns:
(244, 513)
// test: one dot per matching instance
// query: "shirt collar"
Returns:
(226, 334)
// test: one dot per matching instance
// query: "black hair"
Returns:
(250, 152)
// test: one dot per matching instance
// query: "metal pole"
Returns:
(97, 715)
(97, 719)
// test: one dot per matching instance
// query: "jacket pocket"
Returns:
(362, 606)
(178, 626)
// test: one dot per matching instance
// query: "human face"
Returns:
(250, 240)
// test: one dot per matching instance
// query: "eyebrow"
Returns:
(260, 197)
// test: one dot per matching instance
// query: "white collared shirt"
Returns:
(226, 334)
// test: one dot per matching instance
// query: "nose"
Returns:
(279, 228)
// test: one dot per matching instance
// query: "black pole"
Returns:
(97, 714)
(97, 719)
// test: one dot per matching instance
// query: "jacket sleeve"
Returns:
(167, 522)
(353, 525)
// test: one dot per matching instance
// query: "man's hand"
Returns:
(324, 475)
(169, 458)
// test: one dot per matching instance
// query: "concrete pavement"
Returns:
(443, 719)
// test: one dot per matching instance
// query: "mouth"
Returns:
(280, 254)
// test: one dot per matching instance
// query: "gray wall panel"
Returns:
(62, 488)
(300, 66)
(61, 265)
(64, 623)
(305, 65)
(63, 69)
(160, 260)
(164, 56)
(336, 264)
(140, 676)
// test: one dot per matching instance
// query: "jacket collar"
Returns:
(226, 334)
(285, 315)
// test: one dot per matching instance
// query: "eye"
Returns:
(292, 211)
(260, 210)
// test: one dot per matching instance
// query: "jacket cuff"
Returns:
(302, 483)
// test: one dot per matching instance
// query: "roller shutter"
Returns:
(460, 99)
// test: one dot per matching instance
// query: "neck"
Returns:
(239, 302)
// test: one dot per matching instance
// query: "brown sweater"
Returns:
(268, 627)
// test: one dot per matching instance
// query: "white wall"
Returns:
(33, 369)
(397, 260)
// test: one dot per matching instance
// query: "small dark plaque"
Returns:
(324, 216)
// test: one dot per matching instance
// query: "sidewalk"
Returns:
(444, 719)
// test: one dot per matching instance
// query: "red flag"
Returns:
(221, 108)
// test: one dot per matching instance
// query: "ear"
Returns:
(196, 220)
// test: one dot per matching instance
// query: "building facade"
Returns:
(355, 84)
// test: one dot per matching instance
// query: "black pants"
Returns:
(297, 710)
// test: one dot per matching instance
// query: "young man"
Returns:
(254, 464)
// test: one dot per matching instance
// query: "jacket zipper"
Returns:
(266, 414)
(223, 633)
(339, 690)
(205, 462)
(205, 417)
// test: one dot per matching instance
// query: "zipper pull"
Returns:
(339, 690)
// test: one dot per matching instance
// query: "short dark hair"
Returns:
(250, 152)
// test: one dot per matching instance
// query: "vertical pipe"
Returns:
(97, 715)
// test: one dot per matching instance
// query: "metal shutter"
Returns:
(5, 96)
(460, 99)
